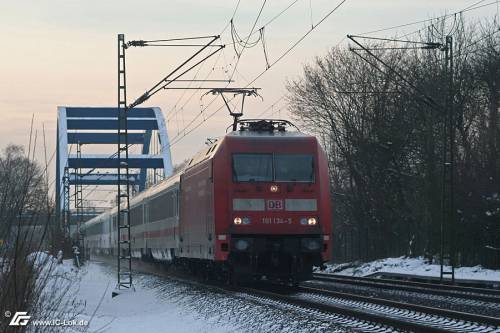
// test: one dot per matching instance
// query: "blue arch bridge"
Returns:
(95, 128)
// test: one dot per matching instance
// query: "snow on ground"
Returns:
(162, 304)
(412, 266)
(139, 311)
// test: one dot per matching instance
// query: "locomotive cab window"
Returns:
(252, 167)
(293, 168)
(269, 167)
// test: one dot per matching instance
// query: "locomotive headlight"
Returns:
(274, 188)
(308, 221)
(239, 220)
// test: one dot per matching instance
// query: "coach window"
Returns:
(294, 168)
(252, 167)
(136, 215)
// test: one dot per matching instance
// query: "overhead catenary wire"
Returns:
(392, 40)
(464, 51)
(175, 110)
(270, 107)
(285, 54)
(274, 18)
(247, 39)
(287, 51)
(176, 139)
(299, 40)
(426, 101)
(264, 48)
(199, 69)
(166, 80)
(469, 8)
(186, 131)
(232, 17)
(177, 39)
(474, 4)
(233, 72)
(449, 15)
(237, 40)
(425, 98)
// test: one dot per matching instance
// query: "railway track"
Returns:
(486, 284)
(469, 293)
(378, 315)
(361, 313)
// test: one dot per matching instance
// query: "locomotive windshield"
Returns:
(293, 168)
(269, 167)
(253, 167)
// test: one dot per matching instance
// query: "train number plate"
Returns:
(276, 220)
(274, 204)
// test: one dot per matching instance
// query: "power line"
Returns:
(232, 17)
(283, 96)
(175, 110)
(142, 43)
(284, 10)
(166, 80)
(215, 64)
(177, 139)
(235, 70)
(474, 4)
(464, 52)
(469, 8)
(270, 107)
(230, 77)
(246, 42)
(299, 40)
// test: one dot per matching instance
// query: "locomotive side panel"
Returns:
(221, 180)
(325, 204)
(196, 229)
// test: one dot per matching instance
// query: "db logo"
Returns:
(274, 204)
(20, 319)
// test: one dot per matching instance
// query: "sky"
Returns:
(63, 53)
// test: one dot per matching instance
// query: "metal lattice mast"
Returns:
(78, 194)
(448, 195)
(124, 255)
(66, 215)
(448, 220)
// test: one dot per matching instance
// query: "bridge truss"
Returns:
(87, 156)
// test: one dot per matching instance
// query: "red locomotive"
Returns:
(254, 204)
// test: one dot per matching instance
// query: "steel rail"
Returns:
(481, 294)
(408, 306)
(402, 281)
(396, 323)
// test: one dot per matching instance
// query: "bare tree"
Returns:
(29, 277)
(384, 144)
